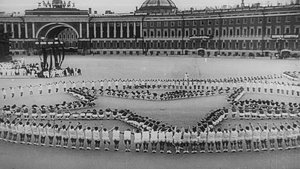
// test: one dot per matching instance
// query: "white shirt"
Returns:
(161, 136)
(96, 135)
(88, 134)
(116, 134)
(145, 136)
(154, 135)
(127, 135)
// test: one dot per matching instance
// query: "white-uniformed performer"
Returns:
(211, 140)
(186, 140)
(154, 139)
(137, 140)
(127, 140)
(202, 139)
(50, 133)
(88, 136)
(272, 137)
(169, 140)
(241, 138)
(80, 135)
(162, 139)
(73, 136)
(40, 89)
(28, 132)
(264, 137)
(116, 137)
(105, 138)
(177, 140)
(194, 139)
(256, 138)
(145, 139)
(233, 139)
(96, 137)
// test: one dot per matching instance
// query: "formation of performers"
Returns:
(15, 68)
(162, 96)
(292, 75)
(60, 72)
(168, 139)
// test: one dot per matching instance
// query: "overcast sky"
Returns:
(125, 6)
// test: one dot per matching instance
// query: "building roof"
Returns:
(157, 5)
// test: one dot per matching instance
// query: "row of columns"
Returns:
(19, 30)
(108, 29)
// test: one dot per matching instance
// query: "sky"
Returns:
(126, 6)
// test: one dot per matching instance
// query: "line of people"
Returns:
(165, 139)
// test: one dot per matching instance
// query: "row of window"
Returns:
(278, 19)
(173, 33)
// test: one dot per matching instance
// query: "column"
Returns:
(12, 30)
(101, 30)
(19, 30)
(127, 29)
(26, 31)
(121, 30)
(107, 29)
(115, 29)
(5, 28)
(33, 30)
(87, 30)
(134, 29)
(80, 30)
(95, 34)
(141, 29)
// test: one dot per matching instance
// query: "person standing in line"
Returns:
(96, 137)
(202, 139)
(88, 136)
(58, 135)
(241, 138)
(105, 138)
(127, 140)
(21, 132)
(50, 133)
(186, 140)
(137, 140)
(154, 138)
(272, 136)
(218, 139)
(36, 133)
(145, 140)
(162, 139)
(42, 133)
(225, 139)
(116, 137)
(211, 140)
(169, 140)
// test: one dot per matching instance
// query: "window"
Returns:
(278, 31)
(287, 18)
(202, 31)
(166, 23)
(151, 33)
(268, 45)
(244, 44)
(216, 32)
(298, 19)
(179, 33)
(151, 24)
(145, 33)
(173, 33)
(238, 21)
(187, 23)
(166, 33)
(251, 45)
(216, 22)
(259, 31)
(209, 31)
(268, 31)
(187, 33)
(252, 31)
(158, 34)
(224, 32)
(172, 24)
(245, 32)
(179, 23)
(194, 23)
(278, 19)
(252, 20)
(158, 24)
(231, 21)
(238, 32)
(230, 32)
(209, 22)
(194, 32)
(269, 20)
(245, 21)
(224, 21)
(287, 30)
(297, 30)
(260, 20)
(201, 22)
(236, 45)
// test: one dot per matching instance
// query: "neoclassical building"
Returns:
(158, 27)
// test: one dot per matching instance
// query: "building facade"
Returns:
(257, 31)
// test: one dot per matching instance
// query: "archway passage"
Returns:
(64, 32)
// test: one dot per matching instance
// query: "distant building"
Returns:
(158, 27)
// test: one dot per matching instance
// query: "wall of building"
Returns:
(231, 32)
